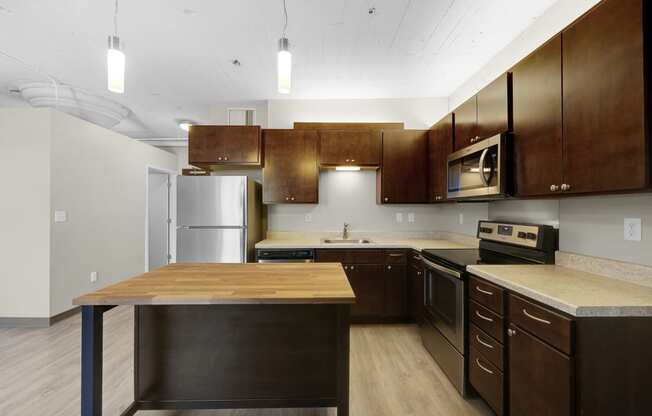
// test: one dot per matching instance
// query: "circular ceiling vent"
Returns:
(75, 101)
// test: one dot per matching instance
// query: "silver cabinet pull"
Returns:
(481, 316)
(483, 367)
(287, 198)
(386, 199)
(219, 158)
(226, 158)
(511, 332)
(543, 321)
(554, 188)
(352, 267)
(352, 160)
(477, 337)
(389, 267)
(346, 160)
(418, 273)
(486, 292)
(396, 254)
(565, 187)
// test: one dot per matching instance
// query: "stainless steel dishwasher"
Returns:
(285, 255)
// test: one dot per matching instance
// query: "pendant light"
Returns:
(284, 59)
(115, 59)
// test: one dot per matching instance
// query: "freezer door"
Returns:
(210, 201)
(210, 245)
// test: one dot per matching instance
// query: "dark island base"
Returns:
(228, 357)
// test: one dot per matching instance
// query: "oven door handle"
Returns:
(442, 269)
(485, 182)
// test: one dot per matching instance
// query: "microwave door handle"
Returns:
(485, 182)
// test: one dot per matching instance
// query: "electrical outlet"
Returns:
(399, 217)
(461, 218)
(308, 218)
(410, 216)
(93, 277)
(632, 229)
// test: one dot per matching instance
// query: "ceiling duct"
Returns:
(74, 101)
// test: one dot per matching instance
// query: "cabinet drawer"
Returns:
(485, 319)
(333, 256)
(487, 294)
(395, 257)
(487, 380)
(553, 328)
(491, 349)
(367, 256)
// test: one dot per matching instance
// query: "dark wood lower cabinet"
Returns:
(487, 379)
(540, 377)
(379, 280)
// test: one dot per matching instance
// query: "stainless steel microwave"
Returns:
(480, 171)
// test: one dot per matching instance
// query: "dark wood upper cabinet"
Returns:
(605, 141)
(291, 173)
(540, 377)
(349, 147)
(466, 123)
(224, 145)
(495, 107)
(403, 176)
(440, 145)
(300, 125)
(538, 121)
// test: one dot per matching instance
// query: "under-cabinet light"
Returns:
(347, 168)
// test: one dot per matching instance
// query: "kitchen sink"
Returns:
(347, 241)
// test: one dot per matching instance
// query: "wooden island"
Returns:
(215, 336)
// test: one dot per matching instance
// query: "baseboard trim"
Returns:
(37, 322)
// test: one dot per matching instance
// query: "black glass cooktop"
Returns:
(460, 258)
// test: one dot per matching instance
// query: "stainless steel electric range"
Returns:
(444, 326)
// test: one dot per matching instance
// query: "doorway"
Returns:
(159, 230)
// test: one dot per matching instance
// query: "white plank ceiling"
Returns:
(179, 52)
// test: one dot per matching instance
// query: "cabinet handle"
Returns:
(389, 267)
(543, 321)
(395, 254)
(287, 198)
(386, 199)
(565, 187)
(483, 367)
(554, 188)
(352, 267)
(352, 160)
(486, 292)
(347, 160)
(418, 273)
(346, 267)
(472, 140)
(219, 158)
(292, 199)
(477, 337)
(481, 316)
(511, 332)
(417, 258)
(226, 158)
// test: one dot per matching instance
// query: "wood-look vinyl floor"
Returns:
(391, 374)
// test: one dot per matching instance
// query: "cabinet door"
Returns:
(349, 147)
(605, 142)
(395, 288)
(466, 122)
(291, 174)
(538, 121)
(403, 175)
(214, 145)
(440, 145)
(494, 107)
(540, 377)
(368, 283)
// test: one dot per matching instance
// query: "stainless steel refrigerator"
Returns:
(219, 219)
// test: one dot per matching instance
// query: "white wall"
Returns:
(556, 18)
(25, 213)
(349, 197)
(218, 111)
(98, 177)
(416, 113)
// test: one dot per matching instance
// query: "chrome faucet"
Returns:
(345, 232)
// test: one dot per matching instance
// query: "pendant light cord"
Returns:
(285, 12)
(115, 19)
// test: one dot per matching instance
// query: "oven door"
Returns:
(478, 171)
(444, 302)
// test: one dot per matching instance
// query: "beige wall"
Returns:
(24, 213)
(98, 177)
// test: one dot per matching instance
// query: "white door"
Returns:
(158, 213)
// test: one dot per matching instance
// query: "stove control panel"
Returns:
(526, 235)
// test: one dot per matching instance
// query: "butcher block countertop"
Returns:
(574, 292)
(252, 283)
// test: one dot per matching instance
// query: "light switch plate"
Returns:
(410, 216)
(632, 229)
(60, 216)
(399, 217)
(308, 218)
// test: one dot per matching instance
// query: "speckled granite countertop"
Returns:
(574, 292)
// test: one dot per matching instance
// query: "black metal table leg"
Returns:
(91, 373)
